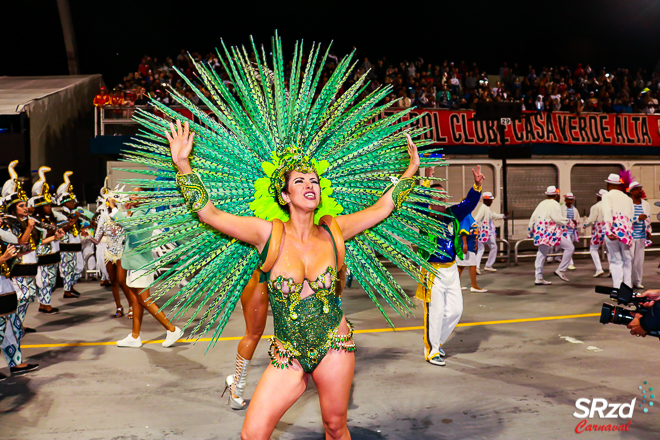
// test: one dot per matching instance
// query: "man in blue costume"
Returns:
(443, 303)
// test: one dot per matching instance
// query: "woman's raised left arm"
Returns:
(353, 224)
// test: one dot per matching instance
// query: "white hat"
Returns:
(614, 179)
(12, 191)
(65, 191)
(634, 184)
(551, 191)
(488, 195)
(602, 192)
(40, 192)
(569, 196)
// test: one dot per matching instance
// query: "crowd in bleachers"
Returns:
(421, 84)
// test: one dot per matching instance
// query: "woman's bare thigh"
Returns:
(277, 391)
(255, 308)
(333, 378)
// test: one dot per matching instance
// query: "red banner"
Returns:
(459, 128)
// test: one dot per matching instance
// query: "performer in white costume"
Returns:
(49, 253)
(641, 231)
(547, 226)
(70, 245)
(102, 215)
(572, 214)
(618, 213)
(597, 224)
(487, 235)
(11, 326)
(25, 269)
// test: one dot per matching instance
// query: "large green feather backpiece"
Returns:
(356, 149)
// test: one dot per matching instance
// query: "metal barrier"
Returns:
(87, 271)
(602, 250)
(125, 115)
(516, 253)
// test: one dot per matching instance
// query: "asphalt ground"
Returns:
(516, 365)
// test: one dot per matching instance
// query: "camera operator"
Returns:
(637, 325)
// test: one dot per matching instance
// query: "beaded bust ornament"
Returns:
(267, 124)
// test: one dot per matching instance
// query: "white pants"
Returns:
(541, 255)
(593, 250)
(492, 252)
(543, 251)
(567, 258)
(639, 244)
(442, 314)
(80, 264)
(620, 257)
(100, 258)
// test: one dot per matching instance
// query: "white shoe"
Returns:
(130, 341)
(490, 269)
(639, 286)
(571, 267)
(599, 273)
(172, 337)
(472, 289)
(463, 288)
(561, 275)
(478, 271)
(542, 282)
(437, 360)
(234, 402)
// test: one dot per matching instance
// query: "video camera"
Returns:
(627, 303)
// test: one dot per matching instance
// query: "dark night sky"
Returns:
(113, 35)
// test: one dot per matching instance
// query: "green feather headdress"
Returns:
(292, 159)
(241, 151)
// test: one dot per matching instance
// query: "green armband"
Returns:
(402, 189)
(193, 190)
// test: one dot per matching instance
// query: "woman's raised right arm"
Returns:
(252, 230)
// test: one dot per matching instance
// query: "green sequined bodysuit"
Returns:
(306, 328)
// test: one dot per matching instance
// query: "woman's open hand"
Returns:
(414, 155)
(181, 143)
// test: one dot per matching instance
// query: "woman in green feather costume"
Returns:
(296, 181)
(310, 345)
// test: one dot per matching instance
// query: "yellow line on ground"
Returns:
(373, 330)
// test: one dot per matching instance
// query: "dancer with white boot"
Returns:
(547, 226)
(487, 234)
(641, 231)
(597, 224)
(618, 213)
